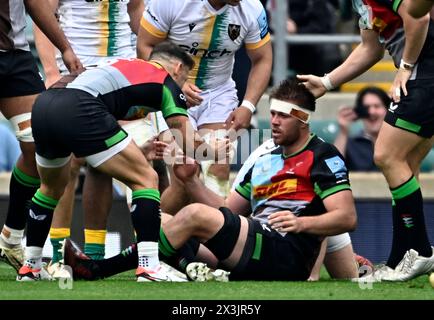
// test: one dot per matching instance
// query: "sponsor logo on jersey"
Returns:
(263, 24)
(337, 166)
(194, 50)
(191, 26)
(234, 31)
(275, 189)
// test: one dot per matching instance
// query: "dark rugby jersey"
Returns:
(298, 182)
(382, 17)
(130, 88)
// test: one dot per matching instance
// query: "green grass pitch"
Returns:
(124, 287)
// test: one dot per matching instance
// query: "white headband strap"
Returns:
(292, 109)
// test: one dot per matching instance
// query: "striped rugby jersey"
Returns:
(210, 36)
(97, 28)
(298, 182)
(130, 88)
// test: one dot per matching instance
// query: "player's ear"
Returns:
(178, 66)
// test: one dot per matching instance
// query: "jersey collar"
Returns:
(214, 11)
(301, 149)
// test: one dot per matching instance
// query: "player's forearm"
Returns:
(46, 53)
(359, 61)
(259, 77)
(135, 11)
(328, 224)
(198, 192)
(43, 15)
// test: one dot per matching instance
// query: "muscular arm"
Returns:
(145, 43)
(135, 11)
(46, 51)
(259, 76)
(339, 218)
(366, 54)
(416, 30)
(42, 14)
(198, 192)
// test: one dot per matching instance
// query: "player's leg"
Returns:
(97, 202)
(316, 270)
(210, 116)
(54, 178)
(62, 217)
(392, 151)
(20, 86)
(24, 179)
(216, 175)
(130, 166)
(88, 269)
(339, 258)
(174, 198)
(417, 155)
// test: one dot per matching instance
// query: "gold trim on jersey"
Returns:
(152, 30)
(104, 34)
(206, 40)
(252, 46)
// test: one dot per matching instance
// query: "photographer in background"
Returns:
(371, 106)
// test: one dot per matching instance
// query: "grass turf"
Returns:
(123, 287)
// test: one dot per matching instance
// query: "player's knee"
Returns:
(146, 178)
(196, 212)
(22, 126)
(382, 159)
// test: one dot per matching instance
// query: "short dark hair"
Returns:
(375, 91)
(167, 50)
(292, 90)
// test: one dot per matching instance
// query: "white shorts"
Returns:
(338, 242)
(216, 106)
(142, 130)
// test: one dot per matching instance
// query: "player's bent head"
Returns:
(168, 51)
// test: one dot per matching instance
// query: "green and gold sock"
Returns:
(94, 246)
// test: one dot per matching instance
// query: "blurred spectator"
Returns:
(371, 107)
(9, 149)
(313, 17)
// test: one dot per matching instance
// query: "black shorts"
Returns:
(71, 120)
(270, 256)
(415, 112)
(19, 74)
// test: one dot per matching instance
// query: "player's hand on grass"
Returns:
(313, 84)
(285, 221)
(192, 94)
(239, 119)
(399, 84)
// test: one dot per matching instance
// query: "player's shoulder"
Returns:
(322, 148)
(251, 6)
